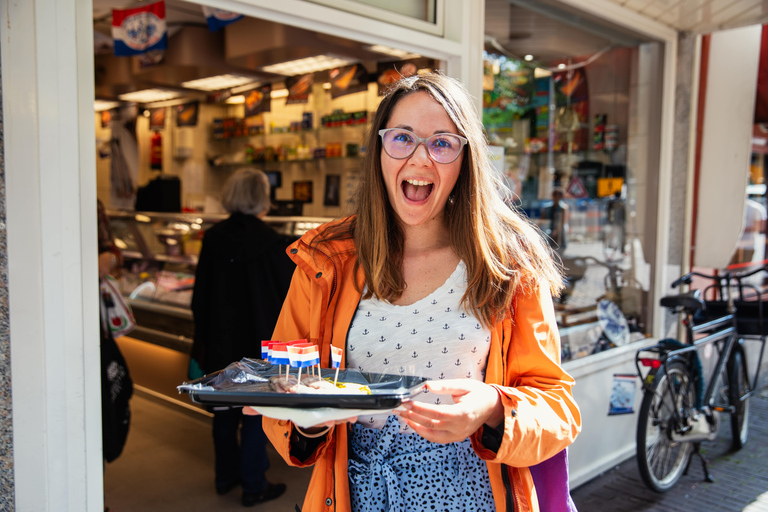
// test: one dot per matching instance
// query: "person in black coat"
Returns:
(242, 277)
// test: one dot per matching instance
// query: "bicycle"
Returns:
(676, 414)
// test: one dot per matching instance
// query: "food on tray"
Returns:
(314, 384)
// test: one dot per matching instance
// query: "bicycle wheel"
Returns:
(661, 459)
(738, 387)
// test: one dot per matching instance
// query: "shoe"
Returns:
(270, 493)
(224, 488)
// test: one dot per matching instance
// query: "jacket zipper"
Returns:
(510, 497)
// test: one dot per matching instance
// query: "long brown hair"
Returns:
(503, 252)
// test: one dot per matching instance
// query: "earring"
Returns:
(451, 199)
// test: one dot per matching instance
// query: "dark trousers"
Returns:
(244, 460)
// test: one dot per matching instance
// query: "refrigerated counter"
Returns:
(160, 253)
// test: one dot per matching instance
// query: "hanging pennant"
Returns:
(139, 30)
(219, 18)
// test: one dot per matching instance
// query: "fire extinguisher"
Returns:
(156, 152)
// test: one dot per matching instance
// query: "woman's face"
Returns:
(417, 186)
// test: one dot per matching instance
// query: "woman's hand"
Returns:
(476, 403)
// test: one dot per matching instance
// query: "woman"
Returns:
(431, 230)
(241, 279)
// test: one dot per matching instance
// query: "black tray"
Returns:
(387, 391)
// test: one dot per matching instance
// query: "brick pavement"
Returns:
(741, 478)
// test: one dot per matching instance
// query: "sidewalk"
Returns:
(741, 478)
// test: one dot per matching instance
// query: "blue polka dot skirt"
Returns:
(394, 472)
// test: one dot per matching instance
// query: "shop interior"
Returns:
(562, 106)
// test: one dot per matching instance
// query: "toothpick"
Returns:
(336, 377)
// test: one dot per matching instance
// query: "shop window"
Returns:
(575, 158)
(751, 246)
(416, 14)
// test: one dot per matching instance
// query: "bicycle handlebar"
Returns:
(726, 277)
(688, 278)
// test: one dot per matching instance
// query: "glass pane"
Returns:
(423, 10)
(574, 159)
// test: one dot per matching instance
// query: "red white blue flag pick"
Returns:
(335, 362)
(139, 30)
(219, 18)
(335, 357)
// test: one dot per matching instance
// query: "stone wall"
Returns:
(6, 409)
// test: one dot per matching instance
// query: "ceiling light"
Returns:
(217, 83)
(561, 66)
(541, 73)
(528, 57)
(327, 85)
(100, 105)
(308, 65)
(236, 100)
(149, 95)
(279, 93)
(394, 52)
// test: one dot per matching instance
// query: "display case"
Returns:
(160, 253)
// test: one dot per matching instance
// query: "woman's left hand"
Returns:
(476, 403)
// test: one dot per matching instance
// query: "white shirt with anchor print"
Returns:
(432, 338)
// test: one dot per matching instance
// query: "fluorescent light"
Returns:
(308, 65)
(279, 93)
(528, 57)
(149, 95)
(236, 100)
(100, 105)
(394, 52)
(217, 83)
(541, 73)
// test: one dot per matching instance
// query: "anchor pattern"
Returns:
(433, 338)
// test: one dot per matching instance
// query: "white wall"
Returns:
(726, 143)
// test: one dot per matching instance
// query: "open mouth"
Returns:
(417, 190)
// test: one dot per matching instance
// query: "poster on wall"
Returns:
(622, 395)
(332, 189)
(388, 73)
(348, 80)
(186, 114)
(258, 100)
(157, 118)
(302, 191)
(299, 88)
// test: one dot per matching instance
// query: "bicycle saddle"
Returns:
(691, 301)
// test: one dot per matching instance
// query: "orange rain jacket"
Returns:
(541, 417)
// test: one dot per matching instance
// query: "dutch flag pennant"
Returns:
(139, 30)
(219, 18)
(335, 362)
(265, 349)
(280, 353)
(335, 357)
(301, 355)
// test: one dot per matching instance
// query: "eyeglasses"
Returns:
(443, 148)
